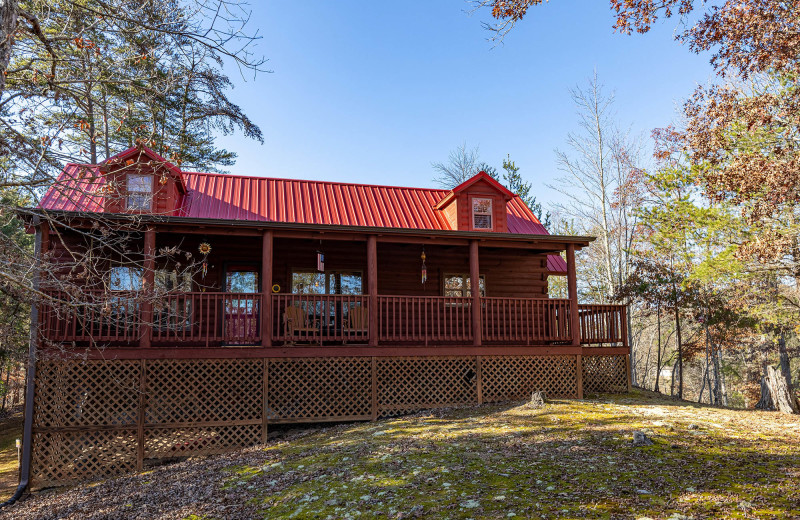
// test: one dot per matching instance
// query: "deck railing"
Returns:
(207, 318)
(317, 318)
(424, 319)
(214, 319)
(525, 320)
(602, 324)
(94, 316)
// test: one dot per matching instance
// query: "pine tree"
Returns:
(516, 184)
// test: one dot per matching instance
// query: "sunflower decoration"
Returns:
(205, 249)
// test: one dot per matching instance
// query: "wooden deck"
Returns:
(206, 319)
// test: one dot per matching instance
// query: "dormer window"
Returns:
(482, 213)
(140, 191)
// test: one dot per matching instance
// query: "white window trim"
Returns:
(490, 214)
(148, 192)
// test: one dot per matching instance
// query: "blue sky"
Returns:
(374, 92)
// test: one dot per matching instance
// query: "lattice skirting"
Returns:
(97, 419)
(605, 374)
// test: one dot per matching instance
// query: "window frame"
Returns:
(148, 194)
(334, 273)
(489, 213)
(174, 314)
(466, 288)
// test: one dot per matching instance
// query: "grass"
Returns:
(570, 459)
(10, 431)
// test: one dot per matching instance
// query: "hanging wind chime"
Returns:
(320, 259)
(205, 249)
(424, 268)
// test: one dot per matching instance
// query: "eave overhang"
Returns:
(543, 241)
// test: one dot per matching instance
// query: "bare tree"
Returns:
(602, 186)
(462, 163)
(79, 81)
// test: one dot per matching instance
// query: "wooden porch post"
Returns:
(475, 285)
(574, 318)
(572, 292)
(266, 289)
(372, 288)
(146, 330)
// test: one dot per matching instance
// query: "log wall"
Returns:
(513, 273)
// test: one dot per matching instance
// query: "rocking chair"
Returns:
(296, 322)
(356, 324)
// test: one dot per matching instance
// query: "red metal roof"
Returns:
(262, 199)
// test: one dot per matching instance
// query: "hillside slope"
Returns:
(570, 459)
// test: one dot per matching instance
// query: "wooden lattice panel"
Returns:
(180, 442)
(415, 383)
(512, 378)
(86, 393)
(206, 390)
(61, 457)
(605, 374)
(305, 389)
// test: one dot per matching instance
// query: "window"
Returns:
(240, 281)
(122, 311)
(332, 282)
(124, 278)
(459, 285)
(328, 312)
(481, 213)
(140, 191)
(172, 311)
(173, 281)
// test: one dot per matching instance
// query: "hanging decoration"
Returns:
(424, 267)
(205, 249)
(320, 259)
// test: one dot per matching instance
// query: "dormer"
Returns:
(139, 180)
(477, 204)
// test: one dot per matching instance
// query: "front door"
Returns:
(241, 305)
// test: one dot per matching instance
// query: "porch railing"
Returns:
(205, 318)
(525, 320)
(214, 319)
(318, 318)
(602, 324)
(93, 316)
(424, 319)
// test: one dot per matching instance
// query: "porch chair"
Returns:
(296, 321)
(356, 324)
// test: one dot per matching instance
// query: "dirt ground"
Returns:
(568, 459)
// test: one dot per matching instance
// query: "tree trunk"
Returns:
(8, 24)
(703, 388)
(717, 376)
(680, 351)
(672, 379)
(6, 388)
(722, 387)
(786, 371)
(658, 356)
(782, 398)
(765, 401)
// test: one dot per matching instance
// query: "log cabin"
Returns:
(240, 301)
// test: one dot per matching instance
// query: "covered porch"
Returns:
(302, 287)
